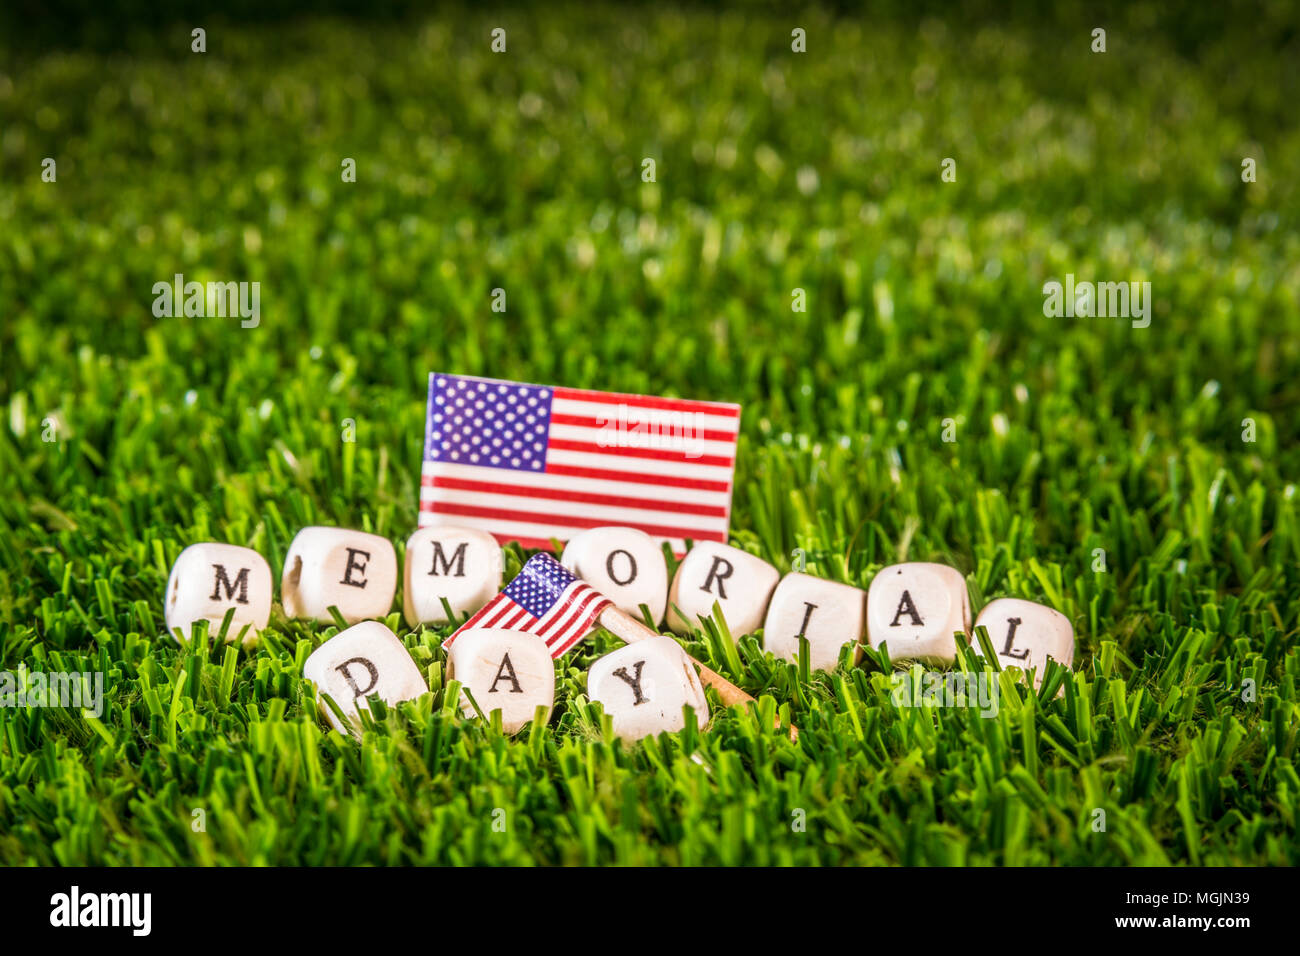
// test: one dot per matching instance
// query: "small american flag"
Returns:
(543, 599)
(529, 463)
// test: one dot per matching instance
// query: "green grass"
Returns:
(775, 171)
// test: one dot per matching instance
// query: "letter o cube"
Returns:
(624, 564)
(463, 565)
(644, 686)
(351, 570)
(740, 582)
(1025, 635)
(364, 660)
(509, 671)
(207, 580)
(917, 608)
(827, 613)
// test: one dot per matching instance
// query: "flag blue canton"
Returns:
(539, 584)
(490, 424)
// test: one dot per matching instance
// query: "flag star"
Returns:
(537, 464)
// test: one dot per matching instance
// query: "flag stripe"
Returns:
(578, 471)
(653, 454)
(563, 494)
(648, 401)
(552, 482)
(542, 510)
(600, 424)
(572, 523)
(686, 448)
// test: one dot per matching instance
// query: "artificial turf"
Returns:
(775, 171)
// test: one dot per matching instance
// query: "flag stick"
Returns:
(624, 625)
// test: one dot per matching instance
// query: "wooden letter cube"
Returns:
(509, 671)
(364, 660)
(916, 608)
(207, 580)
(740, 582)
(351, 570)
(827, 613)
(463, 565)
(1025, 635)
(644, 686)
(624, 564)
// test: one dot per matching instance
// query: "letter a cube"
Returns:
(351, 570)
(740, 582)
(208, 580)
(917, 608)
(644, 686)
(364, 660)
(1025, 635)
(509, 671)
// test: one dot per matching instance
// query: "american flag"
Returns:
(529, 463)
(543, 599)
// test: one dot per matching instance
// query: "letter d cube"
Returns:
(364, 660)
